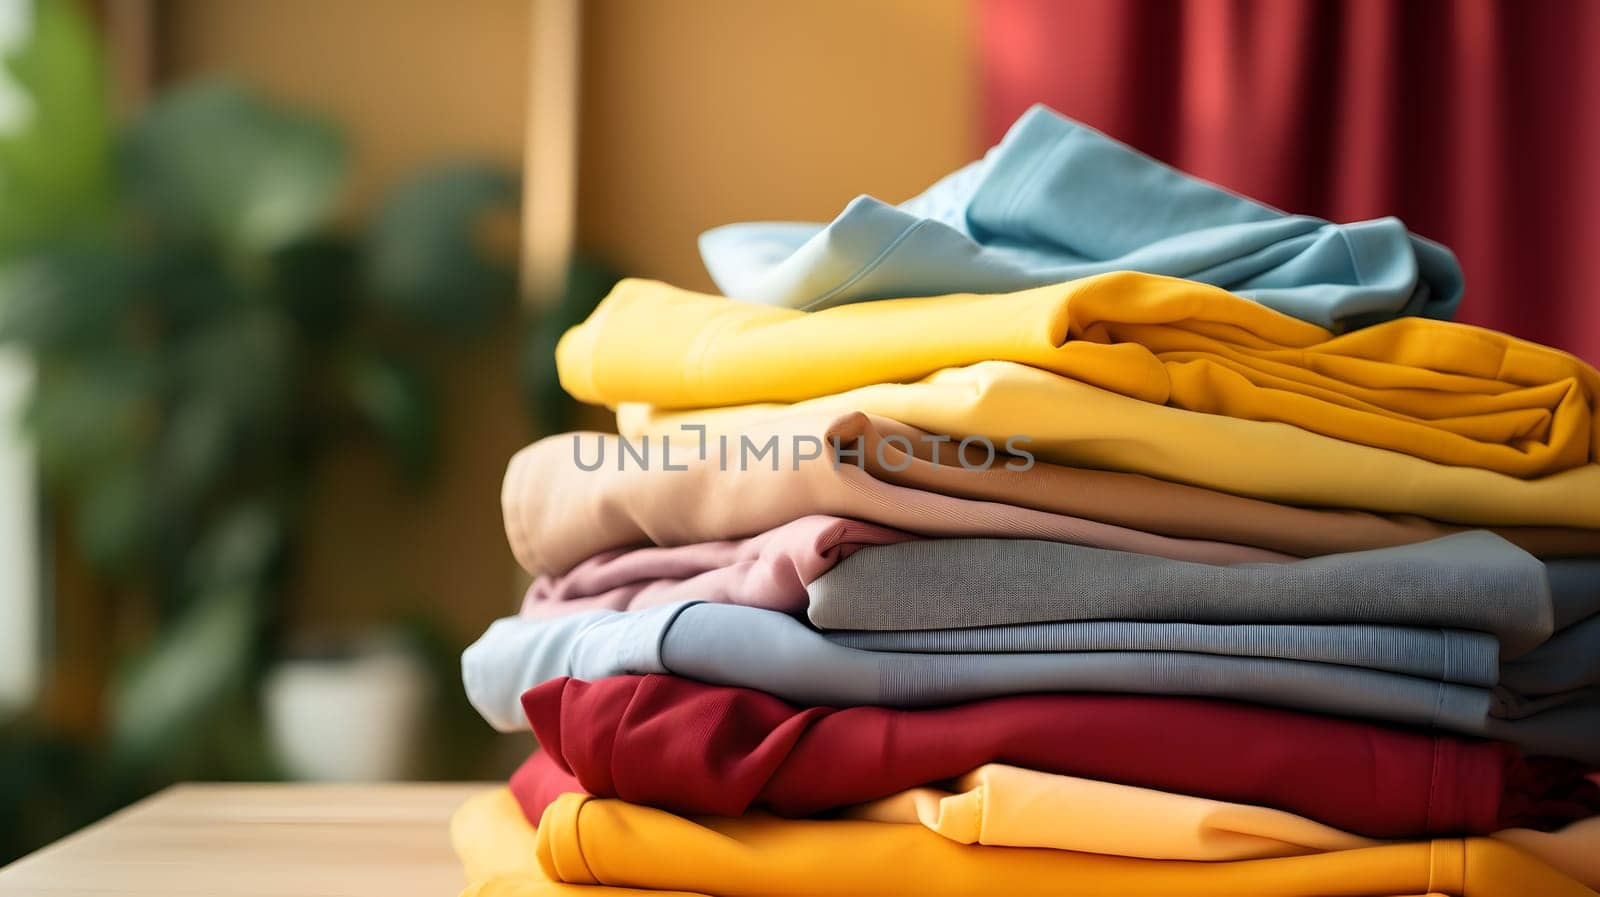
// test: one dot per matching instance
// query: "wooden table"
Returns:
(258, 841)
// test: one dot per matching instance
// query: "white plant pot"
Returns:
(348, 719)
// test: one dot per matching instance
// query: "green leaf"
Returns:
(184, 286)
(55, 132)
(244, 363)
(91, 414)
(394, 398)
(194, 452)
(113, 516)
(426, 260)
(316, 281)
(163, 696)
(239, 550)
(67, 297)
(217, 163)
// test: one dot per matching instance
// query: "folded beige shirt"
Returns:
(557, 514)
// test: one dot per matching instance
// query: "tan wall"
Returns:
(703, 112)
(411, 80)
(695, 113)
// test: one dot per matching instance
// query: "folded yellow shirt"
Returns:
(588, 841)
(1083, 426)
(1445, 392)
(1007, 806)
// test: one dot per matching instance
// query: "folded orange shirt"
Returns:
(588, 841)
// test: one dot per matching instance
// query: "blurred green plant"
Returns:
(202, 332)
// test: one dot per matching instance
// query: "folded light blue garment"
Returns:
(517, 653)
(1574, 589)
(1570, 729)
(770, 651)
(1448, 655)
(1057, 200)
(751, 647)
(1569, 660)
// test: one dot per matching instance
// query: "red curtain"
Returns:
(1475, 121)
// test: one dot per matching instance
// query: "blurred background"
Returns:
(279, 283)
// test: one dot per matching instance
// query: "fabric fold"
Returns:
(756, 648)
(1448, 655)
(1436, 391)
(570, 497)
(593, 841)
(702, 749)
(1569, 661)
(599, 511)
(768, 570)
(498, 847)
(1006, 806)
(1474, 581)
(1052, 202)
(1068, 422)
(514, 654)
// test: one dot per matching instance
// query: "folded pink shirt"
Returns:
(771, 570)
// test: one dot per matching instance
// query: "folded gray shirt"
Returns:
(1472, 581)
(772, 652)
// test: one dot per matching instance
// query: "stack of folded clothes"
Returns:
(1141, 540)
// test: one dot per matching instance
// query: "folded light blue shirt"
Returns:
(752, 647)
(1057, 200)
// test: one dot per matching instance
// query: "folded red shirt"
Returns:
(693, 748)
